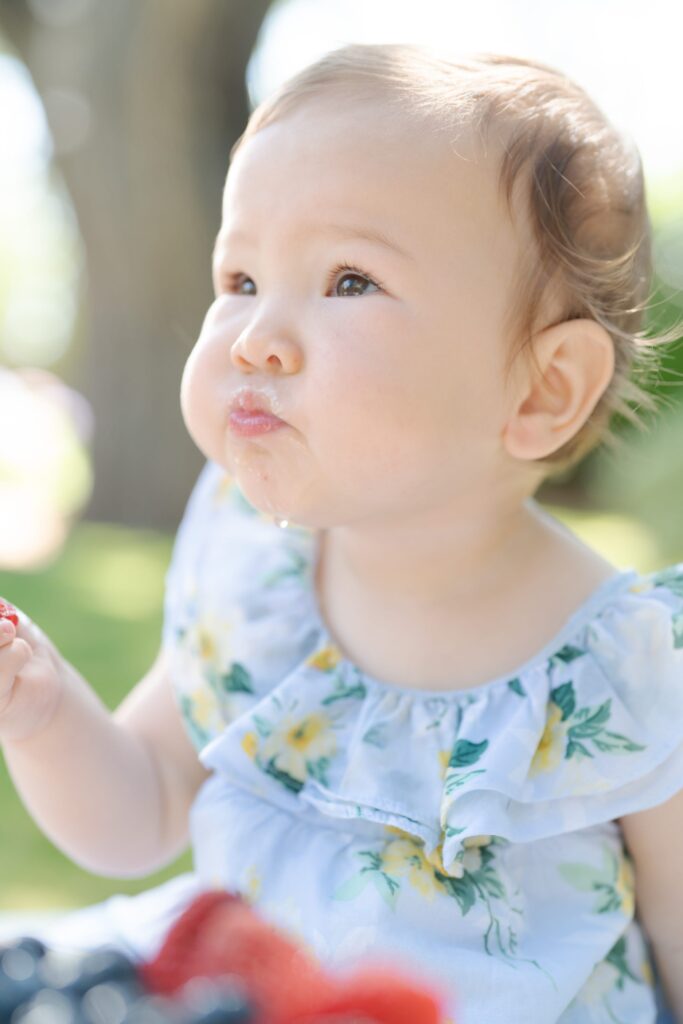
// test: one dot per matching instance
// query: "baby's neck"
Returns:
(419, 617)
(432, 565)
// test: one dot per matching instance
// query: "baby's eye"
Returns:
(358, 281)
(349, 281)
(234, 282)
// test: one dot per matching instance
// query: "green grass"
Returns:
(101, 604)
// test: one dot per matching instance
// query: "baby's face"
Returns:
(389, 375)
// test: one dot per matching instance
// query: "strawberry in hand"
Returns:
(8, 611)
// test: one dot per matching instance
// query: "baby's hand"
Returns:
(30, 675)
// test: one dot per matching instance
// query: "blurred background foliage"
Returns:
(116, 122)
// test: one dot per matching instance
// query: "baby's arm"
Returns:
(113, 791)
(654, 839)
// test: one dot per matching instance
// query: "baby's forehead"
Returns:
(319, 129)
(372, 159)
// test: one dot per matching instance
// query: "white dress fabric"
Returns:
(468, 835)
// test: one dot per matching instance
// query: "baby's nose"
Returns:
(267, 350)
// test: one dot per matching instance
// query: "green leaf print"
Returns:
(587, 725)
(455, 780)
(671, 578)
(377, 736)
(608, 883)
(677, 623)
(516, 686)
(352, 887)
(295, 785)
(564, 697)
(237, 680)
(465, 753)
(463, 889)
(371, 872)
(568, 653)
(617, 957)
(616, 743)
(263, 727)
(487, 877)
(342, 692)
(318, 770)
(241, 502)
(483, 886)
(580, 876)
(403, 861)
(575, 749)
(200, 737)
(387, 887)
(297, 569)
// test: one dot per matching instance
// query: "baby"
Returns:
(397, 704)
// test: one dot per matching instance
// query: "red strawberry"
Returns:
(8, 611)
(379, 995)
(219, 934)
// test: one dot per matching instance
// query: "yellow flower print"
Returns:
(612, 885)
(406, 858)
(477, 841)
(211, 638)
(642, 587)
(294, 744)
(205, 710)
(647, 973)
(435, 858)
(400, 832)
(250, 744)
(470, 858)
(224, 487)
(552, 743)
(326, 658)
(252, 886)
(625, 886)
(444, 757)
(206, 644)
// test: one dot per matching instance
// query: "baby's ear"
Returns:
(558, 390)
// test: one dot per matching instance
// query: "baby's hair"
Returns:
(581, 185)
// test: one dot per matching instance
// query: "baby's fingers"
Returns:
(7, 632)
(16, 623)
(8, 611)
(14, 656)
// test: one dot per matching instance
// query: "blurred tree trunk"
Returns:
(144, 99)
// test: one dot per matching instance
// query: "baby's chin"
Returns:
(283, 497)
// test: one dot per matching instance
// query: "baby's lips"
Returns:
(8, 611)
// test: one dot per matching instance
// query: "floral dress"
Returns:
(468, 835)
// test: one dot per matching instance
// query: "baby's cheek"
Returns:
(200, 404)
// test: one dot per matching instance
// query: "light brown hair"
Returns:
(580, 181)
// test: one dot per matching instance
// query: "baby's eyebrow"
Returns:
(369, 234)
(342, 230)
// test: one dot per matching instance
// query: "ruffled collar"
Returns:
(305, 544)
(581, 733)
